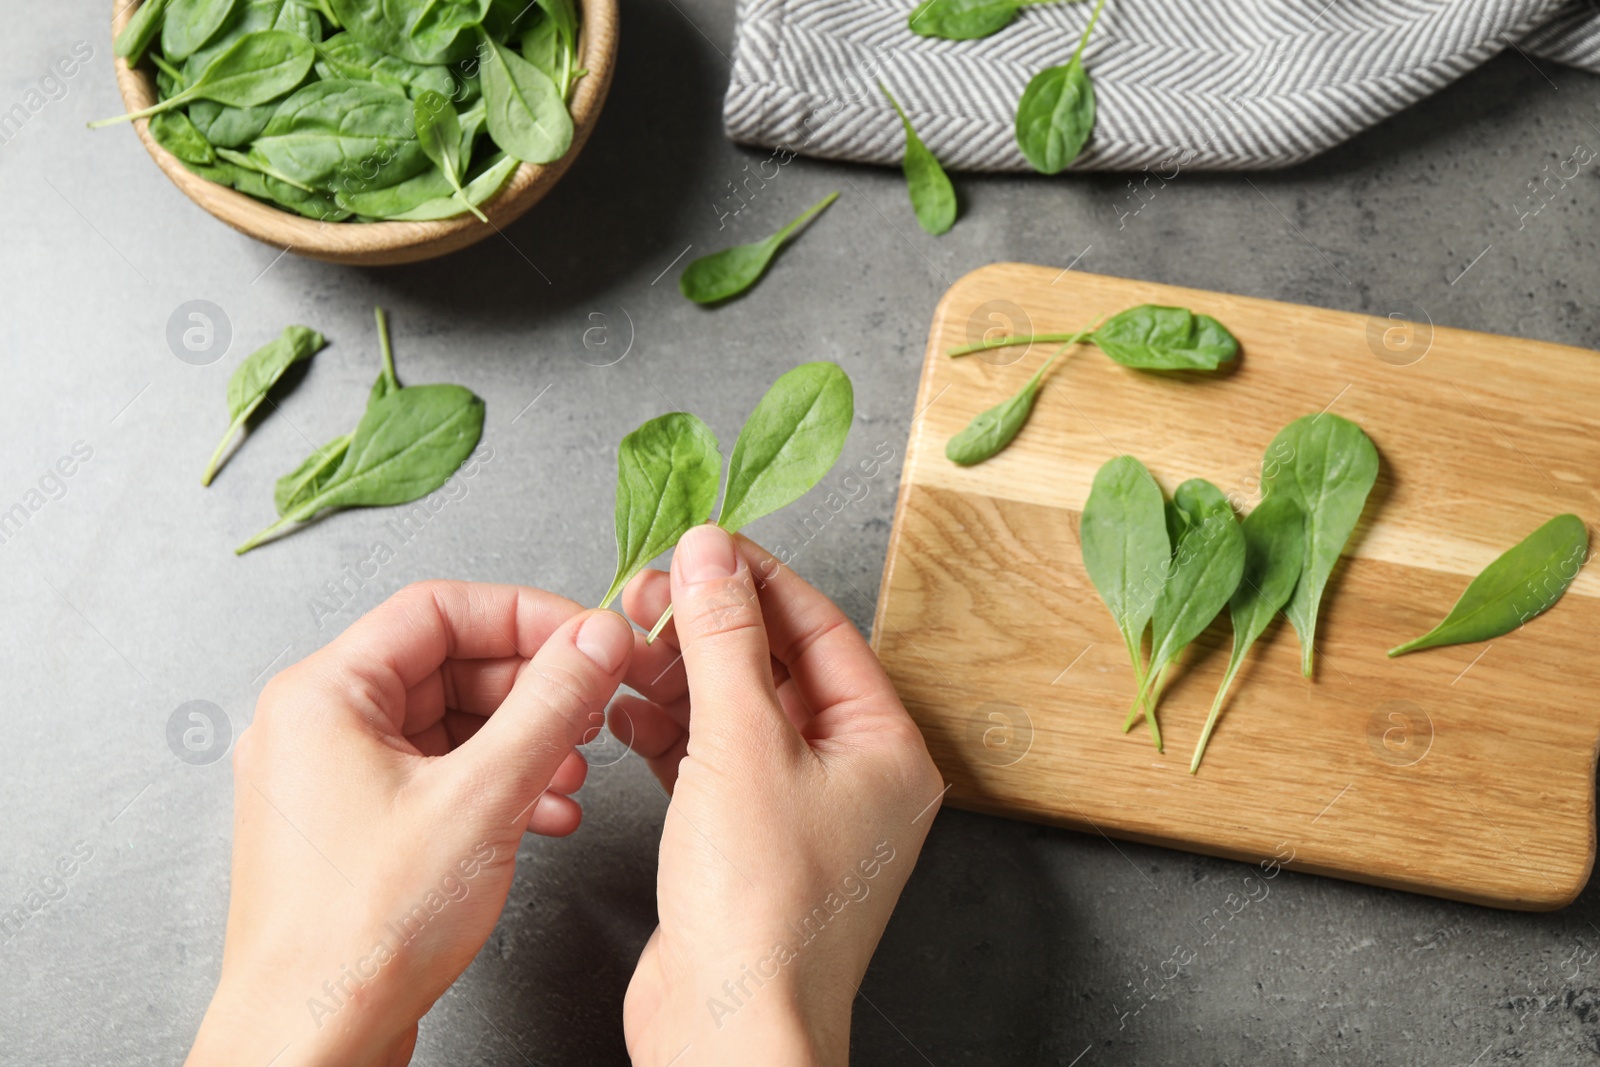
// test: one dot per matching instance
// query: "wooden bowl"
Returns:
(376, 244)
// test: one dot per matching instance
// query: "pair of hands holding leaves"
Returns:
(383, 789)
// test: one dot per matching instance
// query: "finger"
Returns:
(396, 645)
(558, 698)
(832, 666)
(476, 686)
(554, 815)
(654, 733)
(657, 671)
(569, 777)
(646, 598)
(725, 644)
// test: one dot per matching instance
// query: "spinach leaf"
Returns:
(720, 275)
(1274, 554)
(344, 56)
(231, 127)
(480, 190)
(994, 429)
(302, 18)
(244, 162)
(962, 20)
(1149, 337)
(438, 31)
(173, 131)
(407, 444)
(791, 439)
(667, 476)
(1126, 551)
(933, 198)
(789, 442)
(551, 43)
(439, 132)
(527, 116)
(256, 68)
(191, 23)
(1327, 465)
(349, 136)
(1207, 565)
(1526, 580)
(1056, 113)
(311, 477)
(140, 30)
(256, 376)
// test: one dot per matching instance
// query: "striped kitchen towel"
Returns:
(1192, 84)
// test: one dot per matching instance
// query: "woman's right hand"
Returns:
(801, 794)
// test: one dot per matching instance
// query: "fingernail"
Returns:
(606, 638)
(705, 554)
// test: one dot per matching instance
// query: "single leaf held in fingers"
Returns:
(1327, 465)
(933, 198)
(256, 376)
(714, 278)
(1525, 581)
(1274, 555)
(668, 471)
(789, 442)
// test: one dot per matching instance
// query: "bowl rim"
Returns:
(381, 243)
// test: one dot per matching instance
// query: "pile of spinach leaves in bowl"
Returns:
(359, 109)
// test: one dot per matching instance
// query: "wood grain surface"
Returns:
(1465, 772)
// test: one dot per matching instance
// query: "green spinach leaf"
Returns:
(1326, 465)
(1526, 580)
(256, 68)
(962, 20)
(789, 442)
(933, 198)
(439, 132)
(189, 24)
(344, 136)
(312, 476)
(994, 429)
(527, 115)
(1056, 113)
(479, 191)
(407, 444)
(1150, 337)
(668, 471)
(140, 30)
(344, 56)
(173, 131)
(1207, 564)
(1274, 554)
(1126, 551)
(436, 31)
(720, 275)
(256, 376)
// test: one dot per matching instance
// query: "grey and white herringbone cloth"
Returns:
(1190, 84)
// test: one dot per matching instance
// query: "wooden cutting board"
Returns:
(1465, 772)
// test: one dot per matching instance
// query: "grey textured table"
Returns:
(1014, 943)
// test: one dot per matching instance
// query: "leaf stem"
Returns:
(1234, 662)
(661, 624)
(1022, 339)
(265, 535)
(154, 109)
(806, 216)
(216, 457)
(383, 345)
(1087, 30)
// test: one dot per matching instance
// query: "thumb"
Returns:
(724, 641)
(557, 703)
